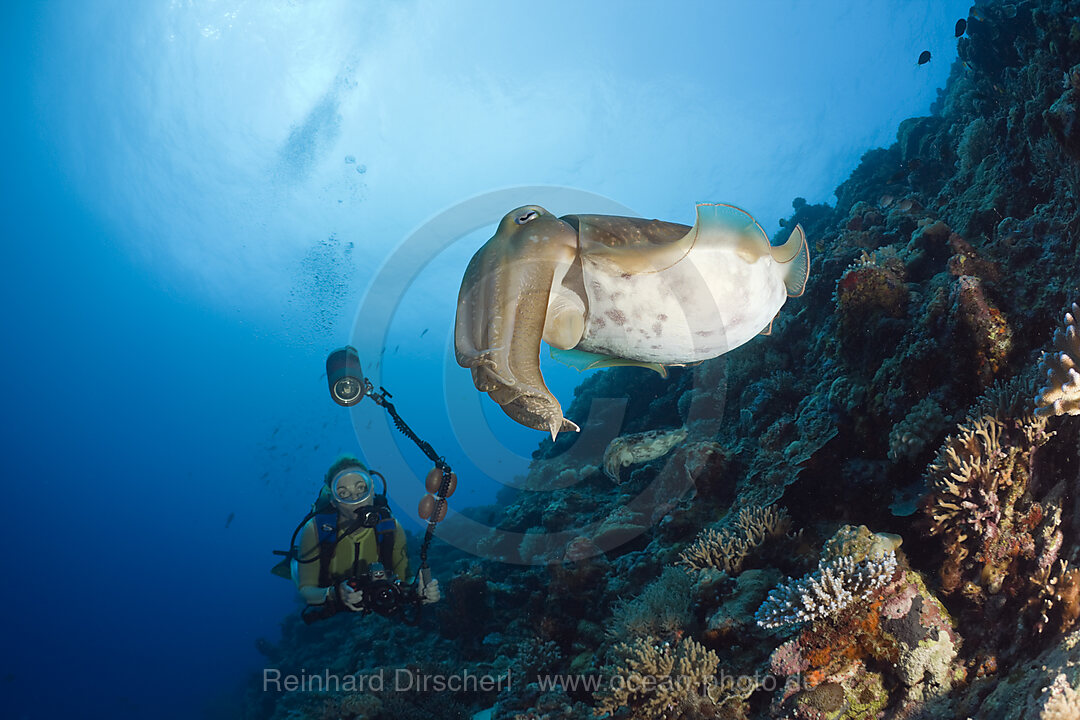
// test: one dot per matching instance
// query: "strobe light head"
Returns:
(346, 379)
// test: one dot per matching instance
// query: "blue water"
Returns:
(197, 199)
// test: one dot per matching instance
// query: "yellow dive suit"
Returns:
(352, 556)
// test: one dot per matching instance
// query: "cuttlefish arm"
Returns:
(511, 298)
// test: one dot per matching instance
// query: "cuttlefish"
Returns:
(603, 290)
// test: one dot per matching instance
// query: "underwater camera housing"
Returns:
(381, 594)
(345, 377)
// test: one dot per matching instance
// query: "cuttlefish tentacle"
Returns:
(503, 309)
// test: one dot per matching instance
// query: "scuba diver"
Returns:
(352, 554)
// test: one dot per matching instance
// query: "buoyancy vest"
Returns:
(326, 525)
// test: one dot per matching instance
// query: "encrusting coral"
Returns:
(1061, 395)
(872, 286)
(910, 436)
(892, 646)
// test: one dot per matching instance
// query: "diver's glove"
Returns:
(352, 598)
(429, 592)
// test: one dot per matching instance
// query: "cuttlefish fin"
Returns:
(722, 224)
(632, 245)
(795, 253)
(584, 360)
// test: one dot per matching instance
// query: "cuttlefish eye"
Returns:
(526, 217)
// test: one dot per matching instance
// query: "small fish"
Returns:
(924, 57)
(886, 201)
(229, 519)
(961, 27)
(422, 334)
(905, 169)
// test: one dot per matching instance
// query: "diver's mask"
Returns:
(352, 488)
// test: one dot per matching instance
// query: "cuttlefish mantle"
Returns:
(603, 290)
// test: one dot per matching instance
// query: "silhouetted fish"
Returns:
(228, 520)
(422, 334)
(961, 27)
(924, 57)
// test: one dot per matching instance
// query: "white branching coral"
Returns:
(726, 549)
(827, 591)
(1061, 395)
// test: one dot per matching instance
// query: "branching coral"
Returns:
(1059, 700)
(1058, 601)
(979, 478)
(1061, 395)
(725, 549)
(659, 680)
(887, 639)
(1004, 519)
(827, 591)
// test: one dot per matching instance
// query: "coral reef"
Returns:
(1002, 526)
(839, 581)
(1061, 395)
(935, 282)
(726, 550)
(910, 437)
(661, 610)
(895, 646)
(662, 680)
